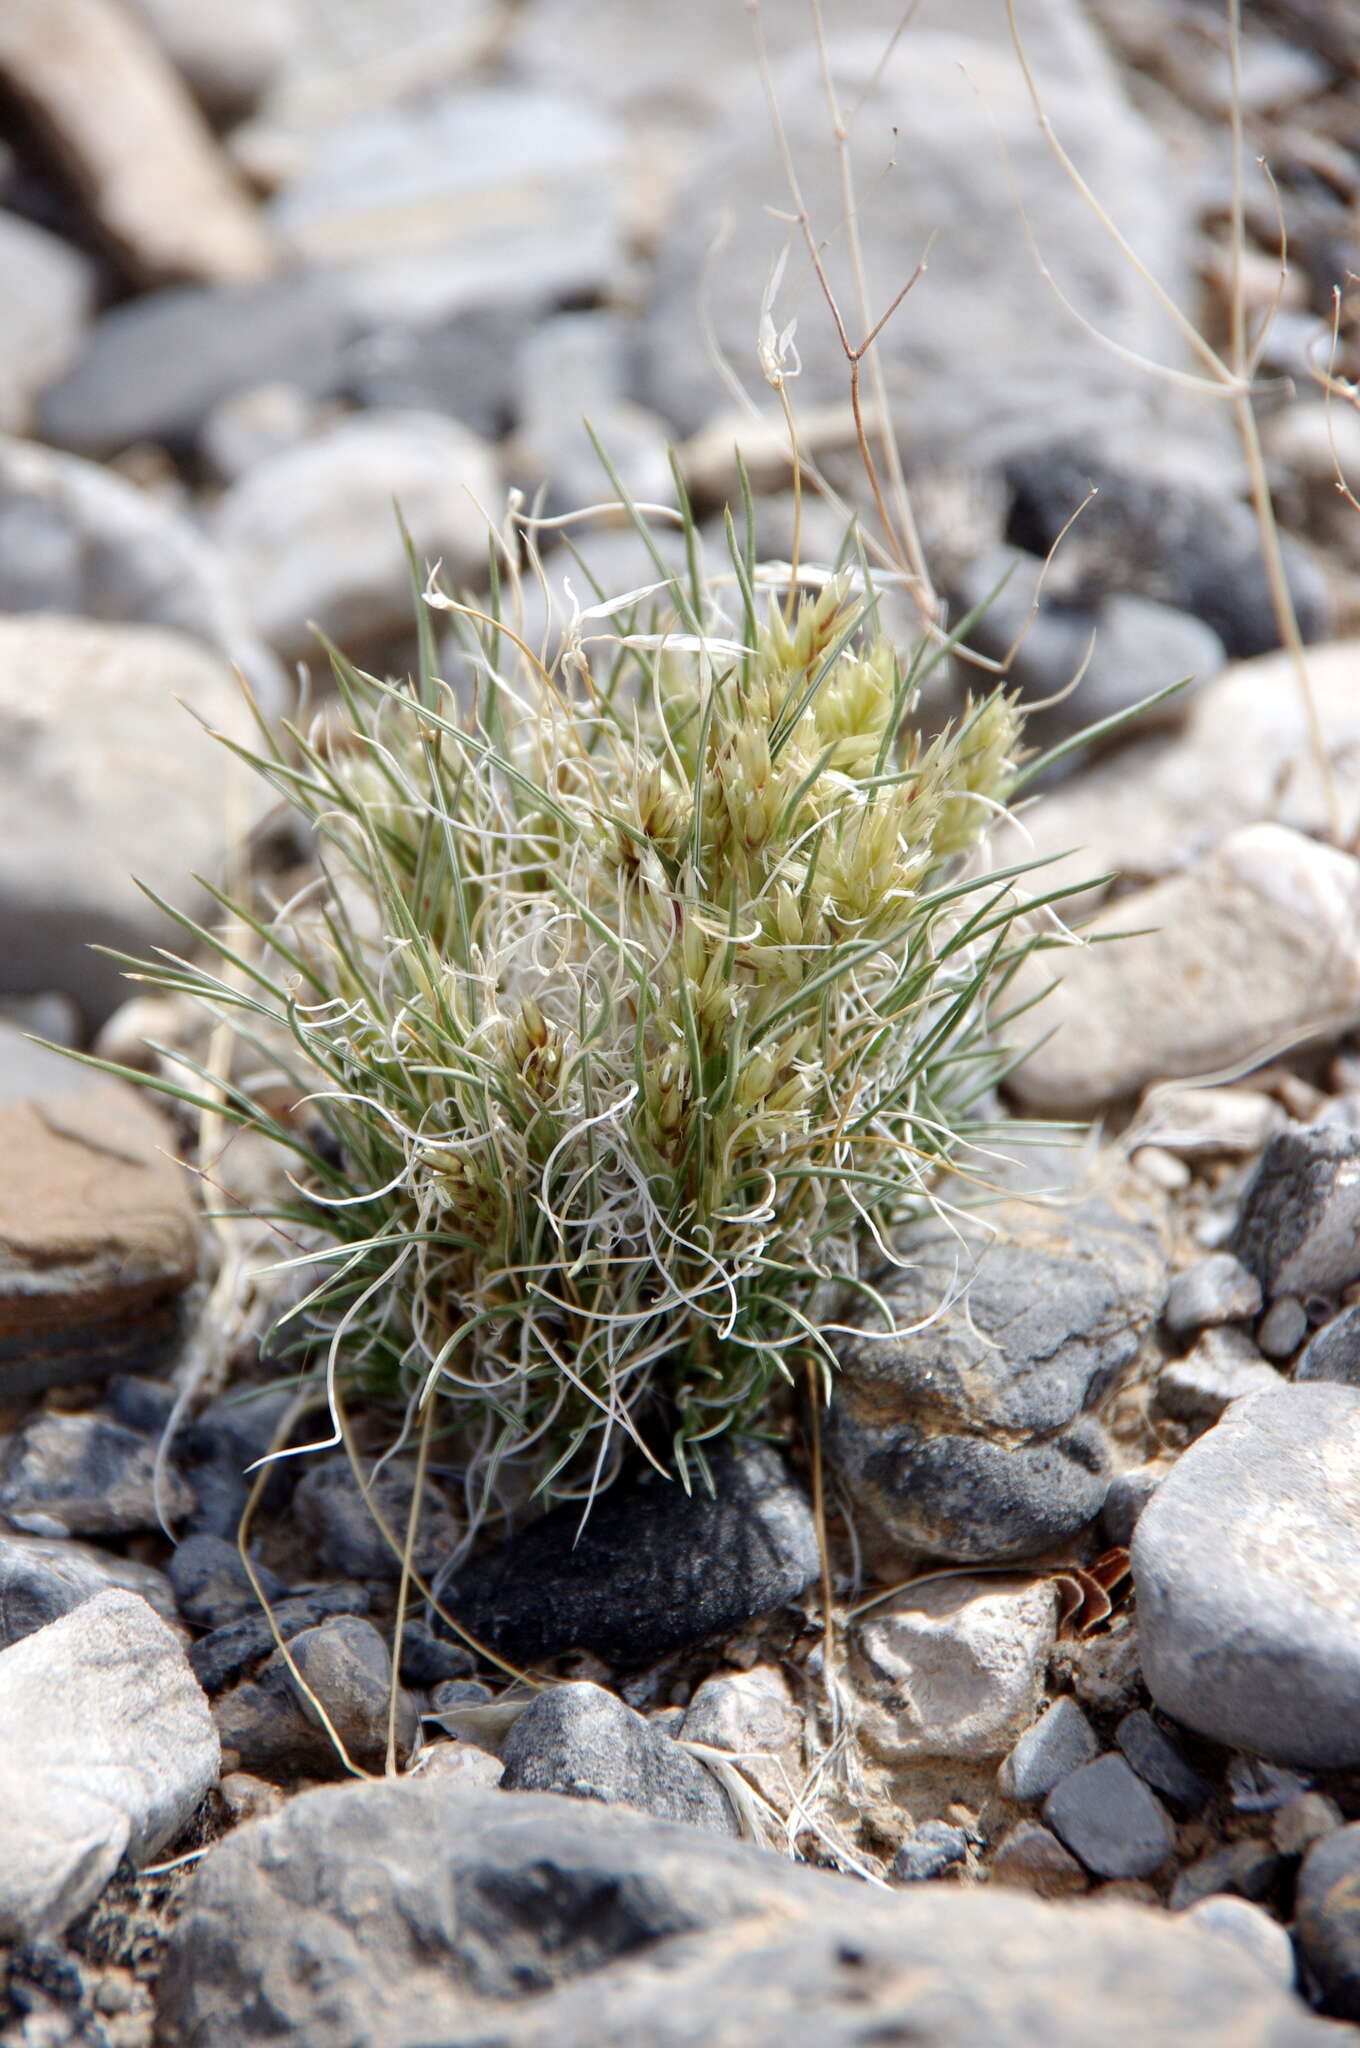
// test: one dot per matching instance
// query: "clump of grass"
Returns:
(635, 1005)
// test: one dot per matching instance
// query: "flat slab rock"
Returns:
(398, 1915)
(1246, 1563)
(107, 1746)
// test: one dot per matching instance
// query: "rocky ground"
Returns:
(1084, 1760)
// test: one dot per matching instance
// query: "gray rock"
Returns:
(76, 539)
(1216, 1289)
(427, 1660)
(42, 1578)
(234, 1646)
(1247, 1568)
(972, 1439)
(1129, 1494)
(1327, 1920)
(276, 1727)
(653, 1569)
(1298, 1228)
(954, 1668)
(1224, 1367)
(1282, 1329)
(48, 297)
(254, 425)
(1032, 1859)
(464, 366)
(222, 1443)
(1061, 1740)
(106, 1748)
(153, 368)
(573, 371)
(583, 1741)
(312, 538)
(463, 198)
(347, 1539)
(98, 1233)
(1251, 1929)
(934, 1848)
(211, 1583)
(936, 103)
(1246, 1870)
(1108, 1818)
(88, 1476)
(1159, 1762)
(1334, 1352)
(227, 51)
(1125, 649)
(1255, 1786)
(1121, 1016)
(1172, 537)
(395, 1914)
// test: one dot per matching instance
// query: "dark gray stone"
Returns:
(1246, 1564)
(583, 1741)
(1217, 1289)
(1282, 1329)
(1334, 1353)
(1223, 1367)
(1255, 1786)
(654, 1568)
(89, 1476)
(1327, 1920)
(327, 1503)
(1061, 1740)
(1108, 1818)
(219, 1658)
(1186, 544)
(934, 1848)
(42, 1578)
(454, 1916)
(1129, 1494)
(1246, 1870)
(464, 366)
(211, 1583)
(220, 1445)
(1159, 1762)
(426, 1659)
(972, 1438)
(154, 367)
(1298, 1228)
(276, 1731)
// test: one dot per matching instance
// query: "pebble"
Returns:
(211, 1583)
(419, 1911)
(1298, 1227)
(1208, 1123)
(1252, 1929)
(754, 1717)
(1031, 1857)
(975, 1438)
(1334, 1352)
(271, 1728)
(42, 1578)
(1160, 1763)
(345, 1535)
(1328, 1920)
(48, 301)
(87, 1476)
(935, 1848)
(1305, 1820)
(234, 1646)
(1246, 1564)
(1224, 1367)
(1103, 1670)
(89, 77)
(1060, 1741)
(580, 1740)
(1129, 1494)
(1215, 1290)
(653, 1569)
(1108, 1818)
(312, 538)
(1258, 1787)
(460, 1763)
(98, 1234)
(955, 1668)
(1247, 1870)
(428, 1660)
(219, 1446)
(106, 1748)
(1282, 1329)
(1122, 1015)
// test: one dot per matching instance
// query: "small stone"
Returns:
(89, 1476)
(1251, 1929)
(96, 87)
(1129, 1494)
(274, 1729)
(212, 1585)
(49, 292)
(954, 1669)
(1282, 1329)
(313, 540)
(1215, 1290)
(219, 1447)
(464, 366)
(929, 1853)
(227, 51)
(254, 425)
(1247, 1870)
(1246, 1564)
(1209, 1123)
(581, 1740)
(42, 1578)
(1123, 1015)
(1309, 1818)
(1103, 1671)
(233, 1647)
(1255, 1786)
(1108, 1818)
(427, 1659)
(1327, 1920)
(459, 1763)
(1030, 1857)
(653, 1569)
(1334, 1352)
(247, 1798)
(753, 1716)
(1298, 1228)
(343, 1527)
(1224, 1367)
(106, 1748)
(1163, 1169)
(1061, 1740)
(1160, 1763)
